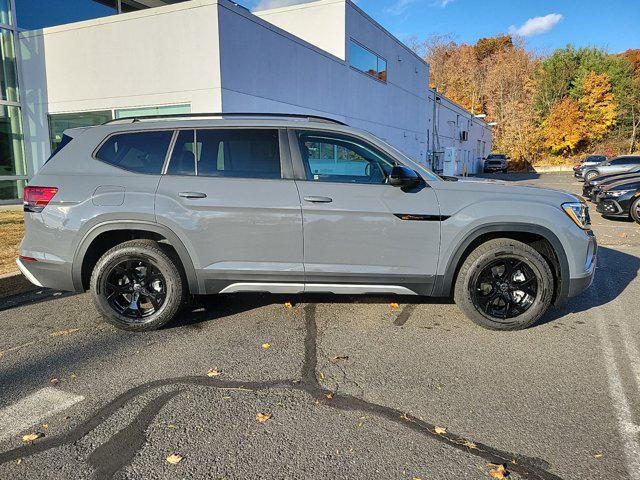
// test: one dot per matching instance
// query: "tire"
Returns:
(470, 291)
(634, 210)
(591, 174)
(137, 273)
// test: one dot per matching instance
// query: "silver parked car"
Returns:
(145, 211)
(496, 162)
(620, 164)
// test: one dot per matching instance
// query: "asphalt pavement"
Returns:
(264, 386)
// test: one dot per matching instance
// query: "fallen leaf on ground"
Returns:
(469, 444)
(329, 395)
(213, 372)
(393, 305)
(321, 376)
(54, 381)
(74, 376)
(63, 332)
(262, 417)
(30, 437)
(498, 471)
(174, 459)
(622, 235)
(288, 305)
(45, 425)
(266, 345)
(18, 461)
(340, 358)
(598, 455)
(440, 430)
(171, 425)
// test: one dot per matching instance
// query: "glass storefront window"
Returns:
(8, 77)
(11, 142)
(11, 189)
(146, 111)
(59, 122)
(5, 12)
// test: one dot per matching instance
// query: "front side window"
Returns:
(338, 158)
(366, 61)
(141, 152)
(253, 153)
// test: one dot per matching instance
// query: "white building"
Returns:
(325, 58)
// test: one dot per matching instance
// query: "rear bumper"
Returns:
(47, 274)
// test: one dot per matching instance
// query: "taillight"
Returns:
(36, 198)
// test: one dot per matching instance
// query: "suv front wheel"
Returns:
(504, 284)
(136, 286)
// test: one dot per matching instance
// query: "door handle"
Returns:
(314, 199)
(192, 195)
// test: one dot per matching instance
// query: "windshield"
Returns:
(414, 164)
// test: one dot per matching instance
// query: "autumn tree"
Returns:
(598, 106)
(564, 127)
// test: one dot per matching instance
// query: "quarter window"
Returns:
(366, 61)
(333, 158)
(226, 153)
(141, 152)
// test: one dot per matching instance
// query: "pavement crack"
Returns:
(104, 457)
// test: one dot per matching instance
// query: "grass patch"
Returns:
(11, 232)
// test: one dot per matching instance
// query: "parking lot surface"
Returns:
(263, 386)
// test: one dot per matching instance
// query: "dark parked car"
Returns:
(496, 162)
(621, 200)
(588, 161)
(592, 187)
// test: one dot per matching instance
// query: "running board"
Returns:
(340, 288)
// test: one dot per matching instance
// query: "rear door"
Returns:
(224, 193)
(358, 229)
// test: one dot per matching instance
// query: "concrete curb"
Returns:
(14, 284)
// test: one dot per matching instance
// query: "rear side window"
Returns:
(237, 153)
(141, 152)
(63, 141)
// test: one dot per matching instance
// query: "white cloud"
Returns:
(443, 3)
(398, 7)
(536, 25)
(268, 4)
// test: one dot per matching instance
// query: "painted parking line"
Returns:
(626, 426)
(36, 407)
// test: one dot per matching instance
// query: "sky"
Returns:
(544, 24)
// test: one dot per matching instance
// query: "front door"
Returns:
(224, 195)
(358, 229)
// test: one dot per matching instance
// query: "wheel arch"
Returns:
(528, 233)
(135, 229)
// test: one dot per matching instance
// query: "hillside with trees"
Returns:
(548, 109)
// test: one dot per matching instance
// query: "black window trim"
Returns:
(286, 167)
(94, 154)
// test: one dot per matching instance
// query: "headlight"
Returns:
(617, 193)
(579, 213)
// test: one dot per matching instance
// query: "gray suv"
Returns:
(146, 212)
(620, 164)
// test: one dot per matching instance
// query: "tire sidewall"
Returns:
(173, 286)
(590, 175)
(474, 265)
(633, 210)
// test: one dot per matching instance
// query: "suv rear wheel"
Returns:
(504, 285)
(136, 286)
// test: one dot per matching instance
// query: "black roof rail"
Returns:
(170, 116)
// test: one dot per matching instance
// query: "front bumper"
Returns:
(494, 169)
(581, 282)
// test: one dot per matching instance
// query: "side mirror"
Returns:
(402, 176)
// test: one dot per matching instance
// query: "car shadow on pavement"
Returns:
(615, 271)
(32, 298)
(510, 176)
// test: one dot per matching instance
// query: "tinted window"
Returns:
(142, 152)
(226, 153)
(367, 61)
(333, 158)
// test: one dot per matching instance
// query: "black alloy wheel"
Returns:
(135, 288)
(505, 288)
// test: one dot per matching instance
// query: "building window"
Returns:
(59, 122)
(6, 16)
(147, 111)
(366, 61)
